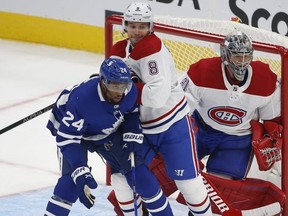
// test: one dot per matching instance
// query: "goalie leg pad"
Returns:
(195, 195)
(244, 194)
(113, 200)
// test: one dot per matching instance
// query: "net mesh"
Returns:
(186, 51)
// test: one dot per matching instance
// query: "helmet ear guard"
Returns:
(138, 12)
(237, 44)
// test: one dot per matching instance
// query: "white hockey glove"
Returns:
(84, 182)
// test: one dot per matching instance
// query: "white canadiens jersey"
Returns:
(230, 108)
(162, 100)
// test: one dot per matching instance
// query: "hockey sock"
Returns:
(196, 196)
(57, 206)
(158, 205)
(124, 195)
(149, 189)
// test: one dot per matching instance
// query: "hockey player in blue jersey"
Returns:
(100, 115)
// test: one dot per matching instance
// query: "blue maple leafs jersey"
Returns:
(82, 114)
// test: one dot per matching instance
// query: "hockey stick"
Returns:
(132, 158)
(27, 118)
(227, 210)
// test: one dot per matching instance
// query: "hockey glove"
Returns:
(135, 78)
(266, 143)
(84, 182)
(130, 139)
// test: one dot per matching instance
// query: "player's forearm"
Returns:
(75, 155)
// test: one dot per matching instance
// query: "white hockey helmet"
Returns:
(237, 44)
(138, 12)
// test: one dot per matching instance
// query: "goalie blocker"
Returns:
(229, 196)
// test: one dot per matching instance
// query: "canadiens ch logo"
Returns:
(229, 116)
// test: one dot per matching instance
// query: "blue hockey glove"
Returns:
(130, 139)
(84, 182)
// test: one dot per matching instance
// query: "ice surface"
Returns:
(31, 76)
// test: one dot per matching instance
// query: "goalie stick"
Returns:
(27, 118)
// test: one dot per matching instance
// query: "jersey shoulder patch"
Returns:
(263, 81)
(207, 73)
(118, 49)
(147, 46)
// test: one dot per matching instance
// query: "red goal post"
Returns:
(192, 39)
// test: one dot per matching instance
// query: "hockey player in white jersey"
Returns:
(166, 125)
(229, 95)
(100, 115)
(228, 92)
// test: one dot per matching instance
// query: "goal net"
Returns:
(190, 40)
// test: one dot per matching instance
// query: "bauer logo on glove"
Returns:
(133, 137)
(84, 182)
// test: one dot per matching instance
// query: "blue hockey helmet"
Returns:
(116, 75)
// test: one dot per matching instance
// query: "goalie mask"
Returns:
(237, 54)
(138, 12)
(115, 75)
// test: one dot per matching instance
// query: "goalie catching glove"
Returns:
(84, 182)
(266, 142)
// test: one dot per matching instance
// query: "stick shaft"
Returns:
(132, 158)
(27, 118)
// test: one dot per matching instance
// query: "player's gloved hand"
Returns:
(266, 142)
(135, 78)
(130, 139)
(84, 182)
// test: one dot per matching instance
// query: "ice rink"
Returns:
(31, 77)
